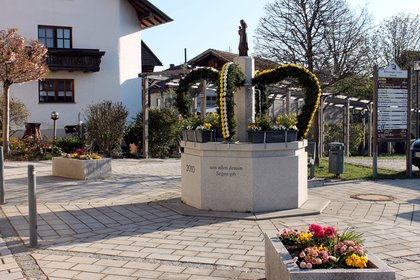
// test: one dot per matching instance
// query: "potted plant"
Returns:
(321, 253)
(264, 130)
(200, 128)
(82, 164)
(288, 122)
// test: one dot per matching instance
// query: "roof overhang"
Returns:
(148, 14)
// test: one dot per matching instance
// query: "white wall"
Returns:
(108, 25)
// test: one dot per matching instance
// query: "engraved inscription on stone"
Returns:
(226, 171)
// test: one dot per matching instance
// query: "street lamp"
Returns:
(54, 116)
(417, 69)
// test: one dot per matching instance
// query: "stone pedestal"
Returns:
(244, 98)
(244, 177)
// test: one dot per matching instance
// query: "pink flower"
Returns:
(317, 230)
(318, 261)
(314, 261)
(302, 264)
(330, 231)
(302, 254)
(307, 259)
(309, 265)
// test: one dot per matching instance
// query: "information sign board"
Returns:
(392, 103)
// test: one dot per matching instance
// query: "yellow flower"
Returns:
(357, 261)
(73, 155)
(207, 125)
(304, 237)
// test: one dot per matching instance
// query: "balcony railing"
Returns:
(86, 60)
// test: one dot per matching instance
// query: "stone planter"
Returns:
(81, 169)
(279, 265)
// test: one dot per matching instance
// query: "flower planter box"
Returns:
(274, 136)
(279, 265)
(81, 169)
(201, 136)
(291, 135)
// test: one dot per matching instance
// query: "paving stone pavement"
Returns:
(116, 228)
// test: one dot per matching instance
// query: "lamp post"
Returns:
(417, 69)
(54, 116)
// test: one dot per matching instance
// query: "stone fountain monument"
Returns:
(242, 176)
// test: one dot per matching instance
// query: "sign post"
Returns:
(392, 107)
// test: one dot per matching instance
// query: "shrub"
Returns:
(163, 131)
(334, 133)
(18, 112)
(70, 144)
(32, 149)
(105, 125)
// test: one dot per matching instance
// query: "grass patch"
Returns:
(357, 172)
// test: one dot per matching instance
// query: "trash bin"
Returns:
(336, 158)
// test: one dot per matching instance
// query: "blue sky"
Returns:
(202, 24)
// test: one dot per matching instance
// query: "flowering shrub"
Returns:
(208, 122)
(323, 247)
(82, 154)
(288, 121)
(282, 122)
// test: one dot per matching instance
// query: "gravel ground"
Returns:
(389, 164)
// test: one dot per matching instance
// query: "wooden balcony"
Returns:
(86, 60)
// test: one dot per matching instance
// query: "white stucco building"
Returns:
(94, 54)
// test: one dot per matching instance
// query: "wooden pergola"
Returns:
(162, 81)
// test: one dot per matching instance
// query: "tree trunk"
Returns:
(5, 122)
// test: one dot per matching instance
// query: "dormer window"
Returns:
(55, 36)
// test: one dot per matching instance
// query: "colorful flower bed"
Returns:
(82, 154)
(324, 247)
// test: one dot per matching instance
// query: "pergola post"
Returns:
(346, 127)
(203, 87)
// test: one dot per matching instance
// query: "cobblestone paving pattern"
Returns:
(115, 228)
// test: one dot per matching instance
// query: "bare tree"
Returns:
(394, 37)
(322, 35)
(19, 63)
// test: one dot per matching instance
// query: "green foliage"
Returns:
(183, 101)
(355, 86)
(356, 172)
(306, 79)
(350, 234)
(164, 127)
(18, 112)
(31, 149)
(334, 133)
(105, 125)
(70, 144)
